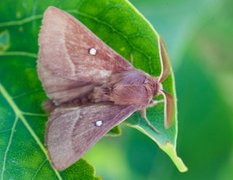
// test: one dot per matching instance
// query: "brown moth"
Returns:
(91, 87)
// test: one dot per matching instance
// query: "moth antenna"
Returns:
(168, 108)
(165, 66)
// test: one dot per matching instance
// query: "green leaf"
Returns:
(79, 171)
(116, 131)
(134, 38)
(4, 40)
(22, 120)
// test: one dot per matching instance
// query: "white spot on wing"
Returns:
(92, 51)
(99, 123)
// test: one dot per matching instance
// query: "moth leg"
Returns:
(155, 102)
(143, 114)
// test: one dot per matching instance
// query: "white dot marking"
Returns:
(92, 51)
(99, 123)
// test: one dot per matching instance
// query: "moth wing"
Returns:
(66, 66)
(168, 108)
(71, 132)
(164, 59)
(166, 71)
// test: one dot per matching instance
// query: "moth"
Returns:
(90, 86)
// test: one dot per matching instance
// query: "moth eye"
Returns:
(92, 51)
(99, 123)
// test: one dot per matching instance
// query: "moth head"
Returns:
(156, 88)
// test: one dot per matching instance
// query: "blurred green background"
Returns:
(199, 38)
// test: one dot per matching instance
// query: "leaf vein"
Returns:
(39, 169)
(33, 114)
(27, 93)
(8, 146)
(21, 21)
(20, 115)
(18, 53)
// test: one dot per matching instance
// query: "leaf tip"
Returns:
(171, 151)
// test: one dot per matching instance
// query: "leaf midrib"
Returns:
(19, 114)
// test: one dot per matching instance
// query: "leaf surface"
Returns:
(22, 121)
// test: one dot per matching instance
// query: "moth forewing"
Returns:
(71, 58)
